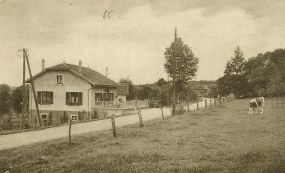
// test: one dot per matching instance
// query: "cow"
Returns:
(255, 103)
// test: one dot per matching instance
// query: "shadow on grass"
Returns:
(258, 161)
(119, 162)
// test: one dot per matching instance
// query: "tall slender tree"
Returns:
(234, 79)
(180, 60)
(181, 64)
(235, 66)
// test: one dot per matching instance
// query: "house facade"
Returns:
(200, 90)
(67, 91)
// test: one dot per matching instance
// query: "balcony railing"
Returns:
(121, 104)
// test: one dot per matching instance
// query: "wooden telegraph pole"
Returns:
(174, 73)
(25, 56)
(24, 90)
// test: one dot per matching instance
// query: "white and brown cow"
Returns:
(255, 103)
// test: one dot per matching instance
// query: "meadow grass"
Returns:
(218, 139)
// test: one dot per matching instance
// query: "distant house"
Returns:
(70, 91)
(200, 90)
(122, 92)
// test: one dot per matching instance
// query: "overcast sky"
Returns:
(132, 41)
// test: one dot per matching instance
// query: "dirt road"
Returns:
(25, 138)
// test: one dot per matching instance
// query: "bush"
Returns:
(50, 118)
(7, 123)
(64, 119)
(180, 110)
(154, 104)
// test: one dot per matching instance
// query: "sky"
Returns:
(131, 39)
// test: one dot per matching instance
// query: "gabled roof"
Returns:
(124, 89)
(93, 77)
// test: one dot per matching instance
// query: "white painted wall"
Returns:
(71, 83)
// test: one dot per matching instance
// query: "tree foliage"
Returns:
(17, 97)
(5, 99)
(180, 60)
(234, 80)
(235, 66)
(161, 82)
(262, 75)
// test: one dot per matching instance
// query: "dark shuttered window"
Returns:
(45, 97)
(39, 97)
(67, 98)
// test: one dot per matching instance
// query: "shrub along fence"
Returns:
(13, 122)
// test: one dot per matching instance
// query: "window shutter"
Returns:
(79, 98)
(67, 98)
(39, 97)
(50, 97)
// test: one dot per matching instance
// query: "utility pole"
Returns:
(174, 72)
(33, 85)
(24, 90)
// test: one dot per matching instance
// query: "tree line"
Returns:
(160, 93)
(262, 75)
(11, 100)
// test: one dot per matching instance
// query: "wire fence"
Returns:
(275, 102)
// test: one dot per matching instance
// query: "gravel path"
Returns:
(29, 137)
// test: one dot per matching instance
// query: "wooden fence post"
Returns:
(210, 102)
(277, 101)
(69, 132)
(272, 102)
(162, 112)
(197, 104)
(215, 101)
(220, 100)
(114, 125)
(140, 118)
(205, 103)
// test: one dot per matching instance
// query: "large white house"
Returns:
(67, 90)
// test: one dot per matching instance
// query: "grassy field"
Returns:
(218, 139)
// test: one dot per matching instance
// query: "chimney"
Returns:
(80, 64)
(106, 71)
(43, 64)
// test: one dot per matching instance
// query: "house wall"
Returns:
(59, 112)
(71, 83)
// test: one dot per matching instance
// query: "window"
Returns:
(74, 98)
(98, 97)
(45, 97)
(74, 117)
(59, 79)
(104, 96)
(44, 116)
(111, 96)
